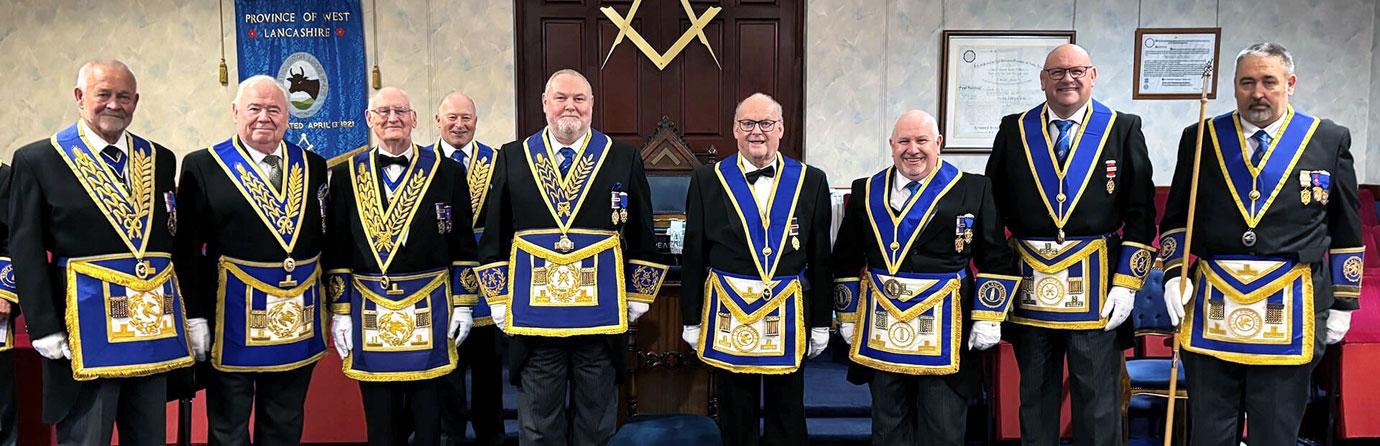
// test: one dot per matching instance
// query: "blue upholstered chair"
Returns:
(1149, 377)
(668, 430)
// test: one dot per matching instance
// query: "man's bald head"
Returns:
(456, 118)
(915, 143)
(392, 119)
(1067, 79)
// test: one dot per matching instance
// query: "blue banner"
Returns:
(315, 49)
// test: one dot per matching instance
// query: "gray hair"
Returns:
(456, 93)
(111, 63)
(569, 71)
(259, 79)
(775, 106)
(1268, 49)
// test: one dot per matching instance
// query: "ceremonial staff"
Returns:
(1188, 242)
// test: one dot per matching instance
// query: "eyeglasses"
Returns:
(766, 124)
(400, 111)
(1073, 72)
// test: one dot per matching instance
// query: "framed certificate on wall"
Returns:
(987, 75)
(1170, 62)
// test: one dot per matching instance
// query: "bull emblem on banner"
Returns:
(299, 82)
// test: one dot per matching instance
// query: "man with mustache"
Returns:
(456, 118)
(572, 209)
(1277, 237)
(1071, 178)
(399, 263)
(254, 203)
(104, 310)
(756, 290)
(911, 225)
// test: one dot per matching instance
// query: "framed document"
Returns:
(1170, 61)
(987, 75)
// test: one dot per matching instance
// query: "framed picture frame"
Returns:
(985, 75)
(1169, 62)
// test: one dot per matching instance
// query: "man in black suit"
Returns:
(399, 264)
(913, 229)
(1279, 250)
(105, 312)
(456, 118)
(9, 309)
(757, 228)
(571, 207)
(254, 202)
(1071, 179)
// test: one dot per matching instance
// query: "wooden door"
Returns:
(758, 45)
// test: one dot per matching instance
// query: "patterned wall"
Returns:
(858, 80)
(428, 48)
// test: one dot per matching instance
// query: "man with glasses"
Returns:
(399, 265)
(572, 210)
(456, 119)
(1279, 251)
(1071, 179)
(756, 297)
(252, 202)
(93, 218)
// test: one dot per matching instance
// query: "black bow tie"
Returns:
(384, 161)
(769, 171)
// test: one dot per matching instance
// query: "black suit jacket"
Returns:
(53, 214)
(933, 252)
(1129, 210)
(214, 213)
(714, 238)
(1288, 228)
(426, 248)
(515, 204)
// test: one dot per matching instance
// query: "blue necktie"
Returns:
(1061, 145)
(912, 187)
(459, 155)
(1262, 140)
(567, 158)
(116, 160)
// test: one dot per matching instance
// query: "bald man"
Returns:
(572, 208)
(1073, 176)
(915, 343)
(456, 119)
(399, 272)
(254, 203)
(754, 303)
(99, 200)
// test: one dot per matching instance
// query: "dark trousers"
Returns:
(137, 405)
(781, 408)
(9, 417)
(276, 399)
(1095, 368)
(585, 371)
(914, 410)
(1272, 396)
(393, 410)
(479, 354)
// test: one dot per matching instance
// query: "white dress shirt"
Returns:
(556, 145)
(393, 171)
(448, 151)
(761, 190)
(1077, 119)
(258, 158)
(899, 194)
(1248, 129)
(98, 144)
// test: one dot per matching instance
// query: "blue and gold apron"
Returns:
(124, 311)
(268, 314)
(1252, 310)
(9, 291)
(567, 281)
(401, 327)
(755, 324)
(910, 323)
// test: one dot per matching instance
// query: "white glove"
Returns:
(461, 320)
(846, 330)
(343, 332)
(53, 346)
(499, 313)
(819, 339)
(691, 335)
(1119, 303)
(1338, 322)
(1173, 301)
(636, 310)
(200, 336)
(984, 335)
